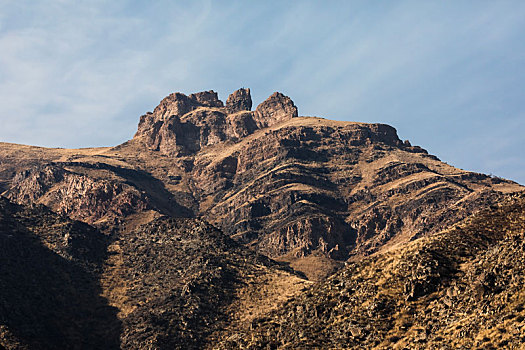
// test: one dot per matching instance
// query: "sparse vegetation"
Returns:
(167, 240)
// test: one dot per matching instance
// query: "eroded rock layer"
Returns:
(291, 187)
(461, 288)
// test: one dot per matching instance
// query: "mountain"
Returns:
(460, 288)
(305, 190)
(219, 226)
(170, 284)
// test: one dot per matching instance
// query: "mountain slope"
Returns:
(49, 294)
(176, 281)
(167, 240)
(305, 189)
(168, 284)
(462, 287)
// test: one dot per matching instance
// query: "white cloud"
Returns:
(80, 74)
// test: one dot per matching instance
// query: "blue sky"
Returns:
(449, 75)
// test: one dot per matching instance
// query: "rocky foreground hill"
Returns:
(221, 227)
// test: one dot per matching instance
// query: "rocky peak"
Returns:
(176, 128)
(173, 104)
(240, 100)
(179, 104)
(207, 99)
(275, 109)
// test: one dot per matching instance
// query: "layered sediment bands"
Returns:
(288, 186)
(340, 188)
(459, 288)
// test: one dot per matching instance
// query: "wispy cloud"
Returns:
(448, 75)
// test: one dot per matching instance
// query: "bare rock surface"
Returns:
(182, 125)
(275, 109)
(461, 288)
(95, 193)
(240, 100)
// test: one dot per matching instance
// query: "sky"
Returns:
(448, 75)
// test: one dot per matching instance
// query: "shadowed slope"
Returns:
(175, 280)
(49, 292)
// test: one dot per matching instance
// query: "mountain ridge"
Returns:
(291, 187)
(246, 217)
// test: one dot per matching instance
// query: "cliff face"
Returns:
(76, 195)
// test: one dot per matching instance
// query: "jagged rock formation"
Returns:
(462, 288)
(275, 109)
(239, 101)
(182, 125)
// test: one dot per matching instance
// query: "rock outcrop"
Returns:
(342, 189)
(76, 195)
(182, 125)
(240, 100)
(97, 193)
(275, 109)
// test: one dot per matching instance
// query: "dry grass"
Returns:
(315, 266)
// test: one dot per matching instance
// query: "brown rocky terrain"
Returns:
(460, 288)
(185, 214)
(169, 284)
(49, 290)
(175, 281)
(306, 190)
